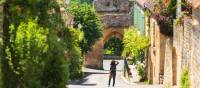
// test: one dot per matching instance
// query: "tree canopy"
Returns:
(86, 16)
(134, 43)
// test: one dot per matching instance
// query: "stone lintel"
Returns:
(117, 20)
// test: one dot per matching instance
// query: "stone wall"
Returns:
(94, 58)
(177, 46)
(183, 52)
(182, 43)
(154, 64)
(168, 63)
(120, 6)
(157, 49)
(117, 20)
(114, 13)
(195, 62)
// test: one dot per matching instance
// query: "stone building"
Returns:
(171, 55)
(115, 15)
(158, 51)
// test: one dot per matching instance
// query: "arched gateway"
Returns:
(115, 15)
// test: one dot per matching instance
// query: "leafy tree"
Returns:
(134, 43)
(86, 16)
(114, 45)
(59, 39)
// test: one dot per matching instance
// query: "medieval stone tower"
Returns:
(115, 15)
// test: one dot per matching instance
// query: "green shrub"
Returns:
(76, 60)
(56, 69)
(76, 64)
(185, 81)
(141, 71)
(29, 45)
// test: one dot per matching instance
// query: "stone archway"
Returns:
(115, 17)
(94, 58)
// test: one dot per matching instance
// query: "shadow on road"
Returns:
(83, 81)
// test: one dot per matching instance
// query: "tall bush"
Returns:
(76, 60)
(29, 46)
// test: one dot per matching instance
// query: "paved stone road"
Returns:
(99, 79)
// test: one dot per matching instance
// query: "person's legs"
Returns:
(110, 76)
(114, 75)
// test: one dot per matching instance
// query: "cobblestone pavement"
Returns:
(99, 79)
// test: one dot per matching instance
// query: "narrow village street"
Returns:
(99, 79)
(85, 43)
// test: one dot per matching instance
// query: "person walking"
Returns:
(113, 65)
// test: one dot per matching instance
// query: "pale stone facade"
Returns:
(157, 58)
(168, 74)
(195, 61)
(180, 52)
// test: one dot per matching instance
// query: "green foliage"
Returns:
(185, 81)
(147, 13)
(76, 59)
(55, 74)
(134, 43)
(82, 1)
(113, 46)
(29, 45)
(141, 71)
(171, 9)
(91, 24)
(76, 64)
(50, 64)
